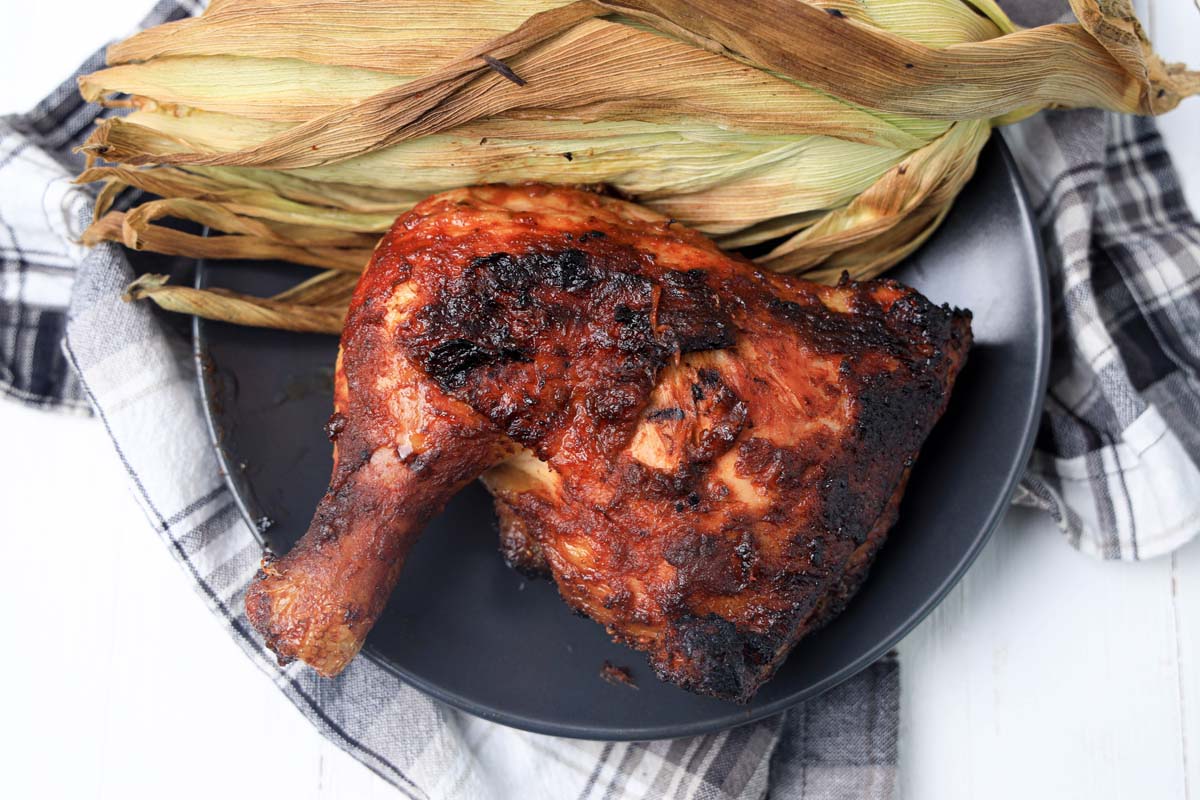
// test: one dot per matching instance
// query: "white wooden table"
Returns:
(1043, 675)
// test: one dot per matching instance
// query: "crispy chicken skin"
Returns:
(705, 457)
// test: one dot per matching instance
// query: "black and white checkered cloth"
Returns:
(1115, 465)
(1116, 461)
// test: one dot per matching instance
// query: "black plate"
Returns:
(471, 632)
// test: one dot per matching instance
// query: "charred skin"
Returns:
(704, 456)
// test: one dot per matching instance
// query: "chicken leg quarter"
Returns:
(705, 457)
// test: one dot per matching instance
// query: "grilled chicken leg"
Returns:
(705, 457)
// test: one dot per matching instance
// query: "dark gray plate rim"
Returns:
(736, 715)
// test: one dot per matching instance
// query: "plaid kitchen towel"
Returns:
(1115, 463)
(1116, 459)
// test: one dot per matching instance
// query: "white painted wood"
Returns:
(34, 62)
(1174, 27)
(118, 682)
(1043, 675)
(1047, 675)
(342, 776)
(1185, 595)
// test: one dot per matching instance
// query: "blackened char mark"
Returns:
(720, 659)
(450, 362)
(635, 334)
(828, 331)
(564, 269)
(509, 335)
(697, 317)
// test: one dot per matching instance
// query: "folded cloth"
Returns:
(1116, 458)
(1115, 463)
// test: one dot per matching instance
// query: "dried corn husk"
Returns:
(141, 235)
(239, 309)
(840, 131)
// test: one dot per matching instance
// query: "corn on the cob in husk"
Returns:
(834, 134)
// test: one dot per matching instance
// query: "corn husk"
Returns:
(115, 227)
(833, 135)
(239, 309)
